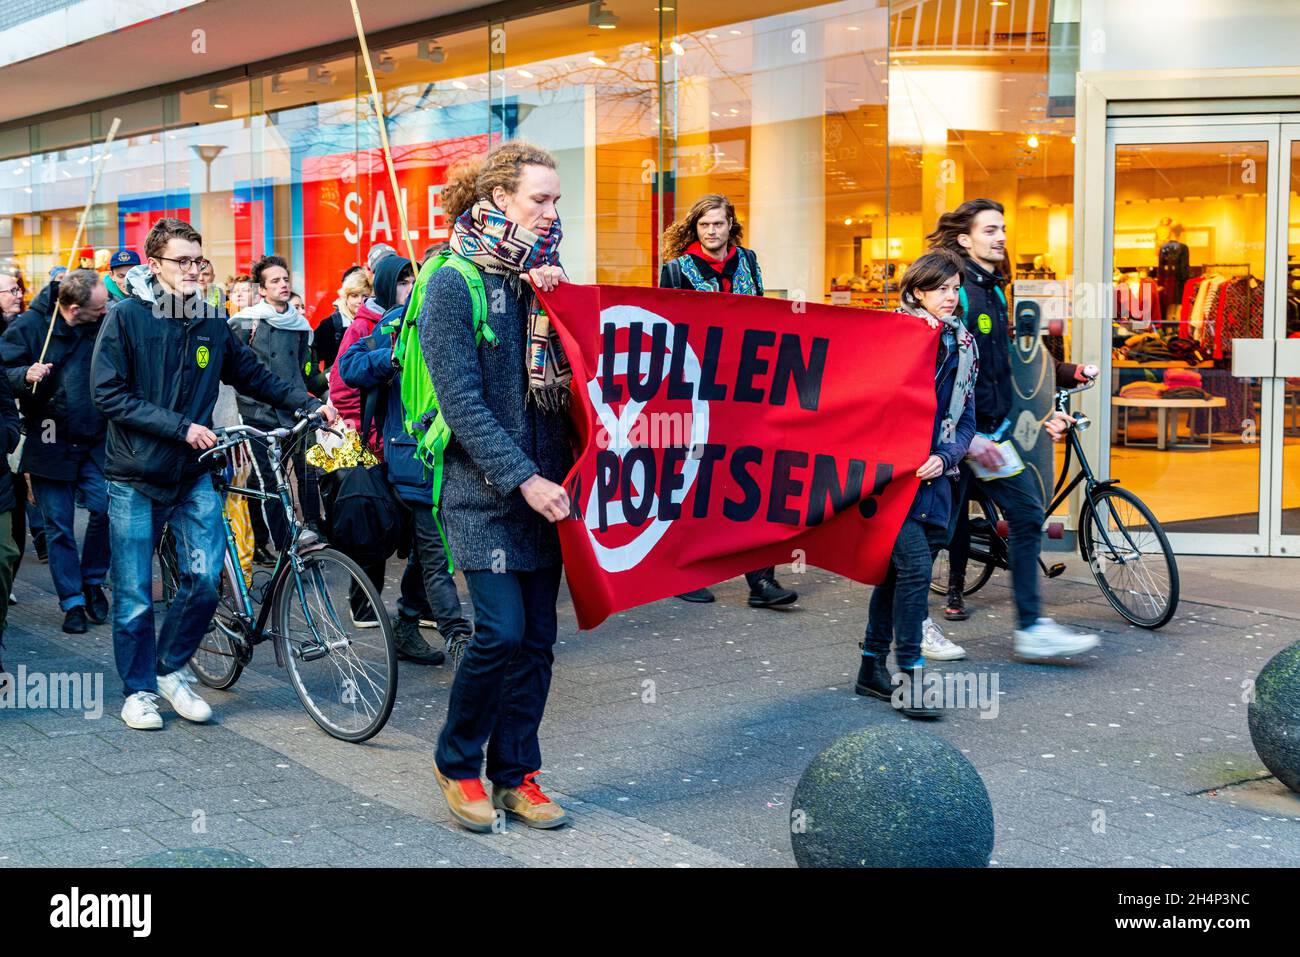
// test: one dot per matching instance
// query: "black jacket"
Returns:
(287, 354)
(987, 318)
(61, 422)
(9, 432)
(155, 375)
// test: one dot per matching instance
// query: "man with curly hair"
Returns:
(702, 251)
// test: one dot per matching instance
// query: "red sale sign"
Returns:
(718, 434)
(348, 206)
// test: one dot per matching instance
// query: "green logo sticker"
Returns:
(985, 323)
(201, 356)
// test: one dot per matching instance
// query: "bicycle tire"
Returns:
(1160, 612)
(339, 688)
(214, 662)
(980, 530)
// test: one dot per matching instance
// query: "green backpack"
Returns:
(421, 416)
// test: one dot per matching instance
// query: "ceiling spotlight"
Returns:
(1032, 142)
(599, 17)
(677, 48)
(524, 73)
(319, 75)
(385, 63)
(430, 50)
(277, 83)
(218, 101)
(595, 60)
(460, 84)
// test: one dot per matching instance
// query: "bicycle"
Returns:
(347, 682)
(1118, 534)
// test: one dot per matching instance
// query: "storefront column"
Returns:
(787, 201)
(943, 185)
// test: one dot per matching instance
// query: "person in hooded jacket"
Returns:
(426, 584)
(281, 337)
(389, 273)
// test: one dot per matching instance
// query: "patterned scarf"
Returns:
(968, 366)
(485, 236)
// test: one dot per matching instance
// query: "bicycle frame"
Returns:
(254, 625)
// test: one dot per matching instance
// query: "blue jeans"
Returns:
(899, 604)
(501, 685)
(1020, 501)
(135, 525)
(58, 503)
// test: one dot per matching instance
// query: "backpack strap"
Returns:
(477, 296)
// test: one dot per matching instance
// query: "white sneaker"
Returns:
(141, 713)
(935, 646)
(1046, 639)
(176, 689)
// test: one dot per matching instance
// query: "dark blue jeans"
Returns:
(1020, 501)
(501, 685)
(899, 603)
(135, 524)
(58, 504)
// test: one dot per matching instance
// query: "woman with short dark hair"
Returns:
(929, 290)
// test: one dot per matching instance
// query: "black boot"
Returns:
(265, 556)
(74, 622)
(955, 607)
(913, 693)
(769, 594)
(873, 678)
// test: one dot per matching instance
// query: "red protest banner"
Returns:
(718, 434)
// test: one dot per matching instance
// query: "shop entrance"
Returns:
(1203, 249)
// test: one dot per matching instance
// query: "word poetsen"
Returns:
(803, 488)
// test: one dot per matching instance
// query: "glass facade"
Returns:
(839, 130)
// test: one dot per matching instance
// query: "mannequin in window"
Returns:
(1172, 269)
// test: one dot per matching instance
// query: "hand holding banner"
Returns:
(721, 433)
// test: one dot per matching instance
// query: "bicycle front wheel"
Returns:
(215, 662)
(1136, 571)
(346, 677)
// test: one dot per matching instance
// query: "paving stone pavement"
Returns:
(675, 734)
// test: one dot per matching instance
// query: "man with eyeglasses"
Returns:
(49, 371)
(155, 372)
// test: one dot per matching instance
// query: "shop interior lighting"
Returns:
(1032, 142)
(319, 75)
(218, 101)
(385, 63)
(430, 50)
(460, 84)
(277, 83)
(595, 60)
(599, 17)
(524, 73)
(677, 48)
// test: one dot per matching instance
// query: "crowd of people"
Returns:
(114, 381)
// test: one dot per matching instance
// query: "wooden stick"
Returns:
(383, 137)
(81, 227)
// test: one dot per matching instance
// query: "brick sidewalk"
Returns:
(676, 734)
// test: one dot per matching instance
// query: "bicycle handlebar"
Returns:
(233, 435)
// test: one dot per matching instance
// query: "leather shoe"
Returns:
(770, 594)
(411, 646)
(74, 622)
(96, 603)
(264, 555)
(701, 596)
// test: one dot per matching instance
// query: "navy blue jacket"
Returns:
(368, 364)
(933, 502)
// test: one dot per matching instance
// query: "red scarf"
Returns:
(717, 265)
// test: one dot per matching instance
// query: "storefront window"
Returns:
(1291, 386)
(1189, 267)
